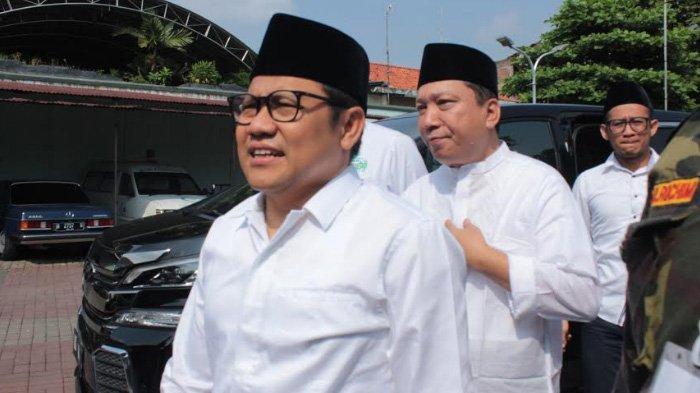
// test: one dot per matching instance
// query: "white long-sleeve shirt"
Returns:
(525, 209)
(336, 301)
(611, 197)
(388, 159)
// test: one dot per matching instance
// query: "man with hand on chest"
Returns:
(530, 262)
(300, 288)
(611, 196)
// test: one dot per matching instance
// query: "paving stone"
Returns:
(38, 307)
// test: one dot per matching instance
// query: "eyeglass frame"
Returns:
(627, 122)
(265, 100)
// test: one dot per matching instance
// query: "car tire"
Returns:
(8, 248)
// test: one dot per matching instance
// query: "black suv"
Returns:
(137, 276)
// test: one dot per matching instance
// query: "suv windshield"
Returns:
(159, 183)
(46, 193)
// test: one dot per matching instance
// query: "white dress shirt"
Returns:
(336, 301)
(611, 197)
(525, 209)
(388, 158)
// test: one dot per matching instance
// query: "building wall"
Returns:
(504, 69)
(59, 142)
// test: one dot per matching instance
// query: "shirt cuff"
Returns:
(522, 298)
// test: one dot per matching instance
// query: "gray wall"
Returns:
(59, 142)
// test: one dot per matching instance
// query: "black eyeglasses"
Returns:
(282, 105)
(637, 124)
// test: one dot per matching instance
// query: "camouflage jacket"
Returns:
(662, 253)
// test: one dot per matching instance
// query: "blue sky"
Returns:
(412, 23)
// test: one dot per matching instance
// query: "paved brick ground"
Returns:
(39, 298)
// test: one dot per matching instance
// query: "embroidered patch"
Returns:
(359, 163)
(674, 192)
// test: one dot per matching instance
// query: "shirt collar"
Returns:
(325, 205)
(485, 165)
(613, 163)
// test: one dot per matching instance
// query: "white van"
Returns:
(145, 188)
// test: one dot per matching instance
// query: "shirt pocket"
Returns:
(512, 358)
(303, 315)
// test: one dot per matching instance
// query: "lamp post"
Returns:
(507, 42)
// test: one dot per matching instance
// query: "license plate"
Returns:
(68, 226)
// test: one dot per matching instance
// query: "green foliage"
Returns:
(612, 40)
(204, 72)
(161, 76)
(240, 78)
(135, 78)
(154, 37)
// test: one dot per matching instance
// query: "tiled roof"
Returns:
(406, 78)
(399, 77)
(28, 89)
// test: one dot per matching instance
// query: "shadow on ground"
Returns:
(41, 255)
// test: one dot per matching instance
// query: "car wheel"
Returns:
(8, 248)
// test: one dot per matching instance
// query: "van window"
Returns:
(125, 186)
(165, 183)
(92, 181)
(532, 138)
(107, 183)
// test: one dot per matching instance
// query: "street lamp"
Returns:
(507, 42)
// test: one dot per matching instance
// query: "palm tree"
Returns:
(154, 36)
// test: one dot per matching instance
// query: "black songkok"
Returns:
(626, 93)
(306, 49)
(457, 62)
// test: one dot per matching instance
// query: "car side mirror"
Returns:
(211, 189)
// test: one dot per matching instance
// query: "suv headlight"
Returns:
(180, 272)
(149, 318)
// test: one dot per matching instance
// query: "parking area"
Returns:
(39, 297)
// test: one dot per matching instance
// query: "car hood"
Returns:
(172, 235)
(172, 198)
(156, 229)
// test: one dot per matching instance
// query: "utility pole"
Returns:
(388, 63)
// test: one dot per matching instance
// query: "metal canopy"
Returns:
(80, 31)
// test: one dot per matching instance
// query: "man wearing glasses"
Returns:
(611, 196)
(319, 283)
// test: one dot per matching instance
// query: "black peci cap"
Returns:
(457, 62)
(626, 93)
(302, 48)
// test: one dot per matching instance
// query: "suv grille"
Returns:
(112, 370)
